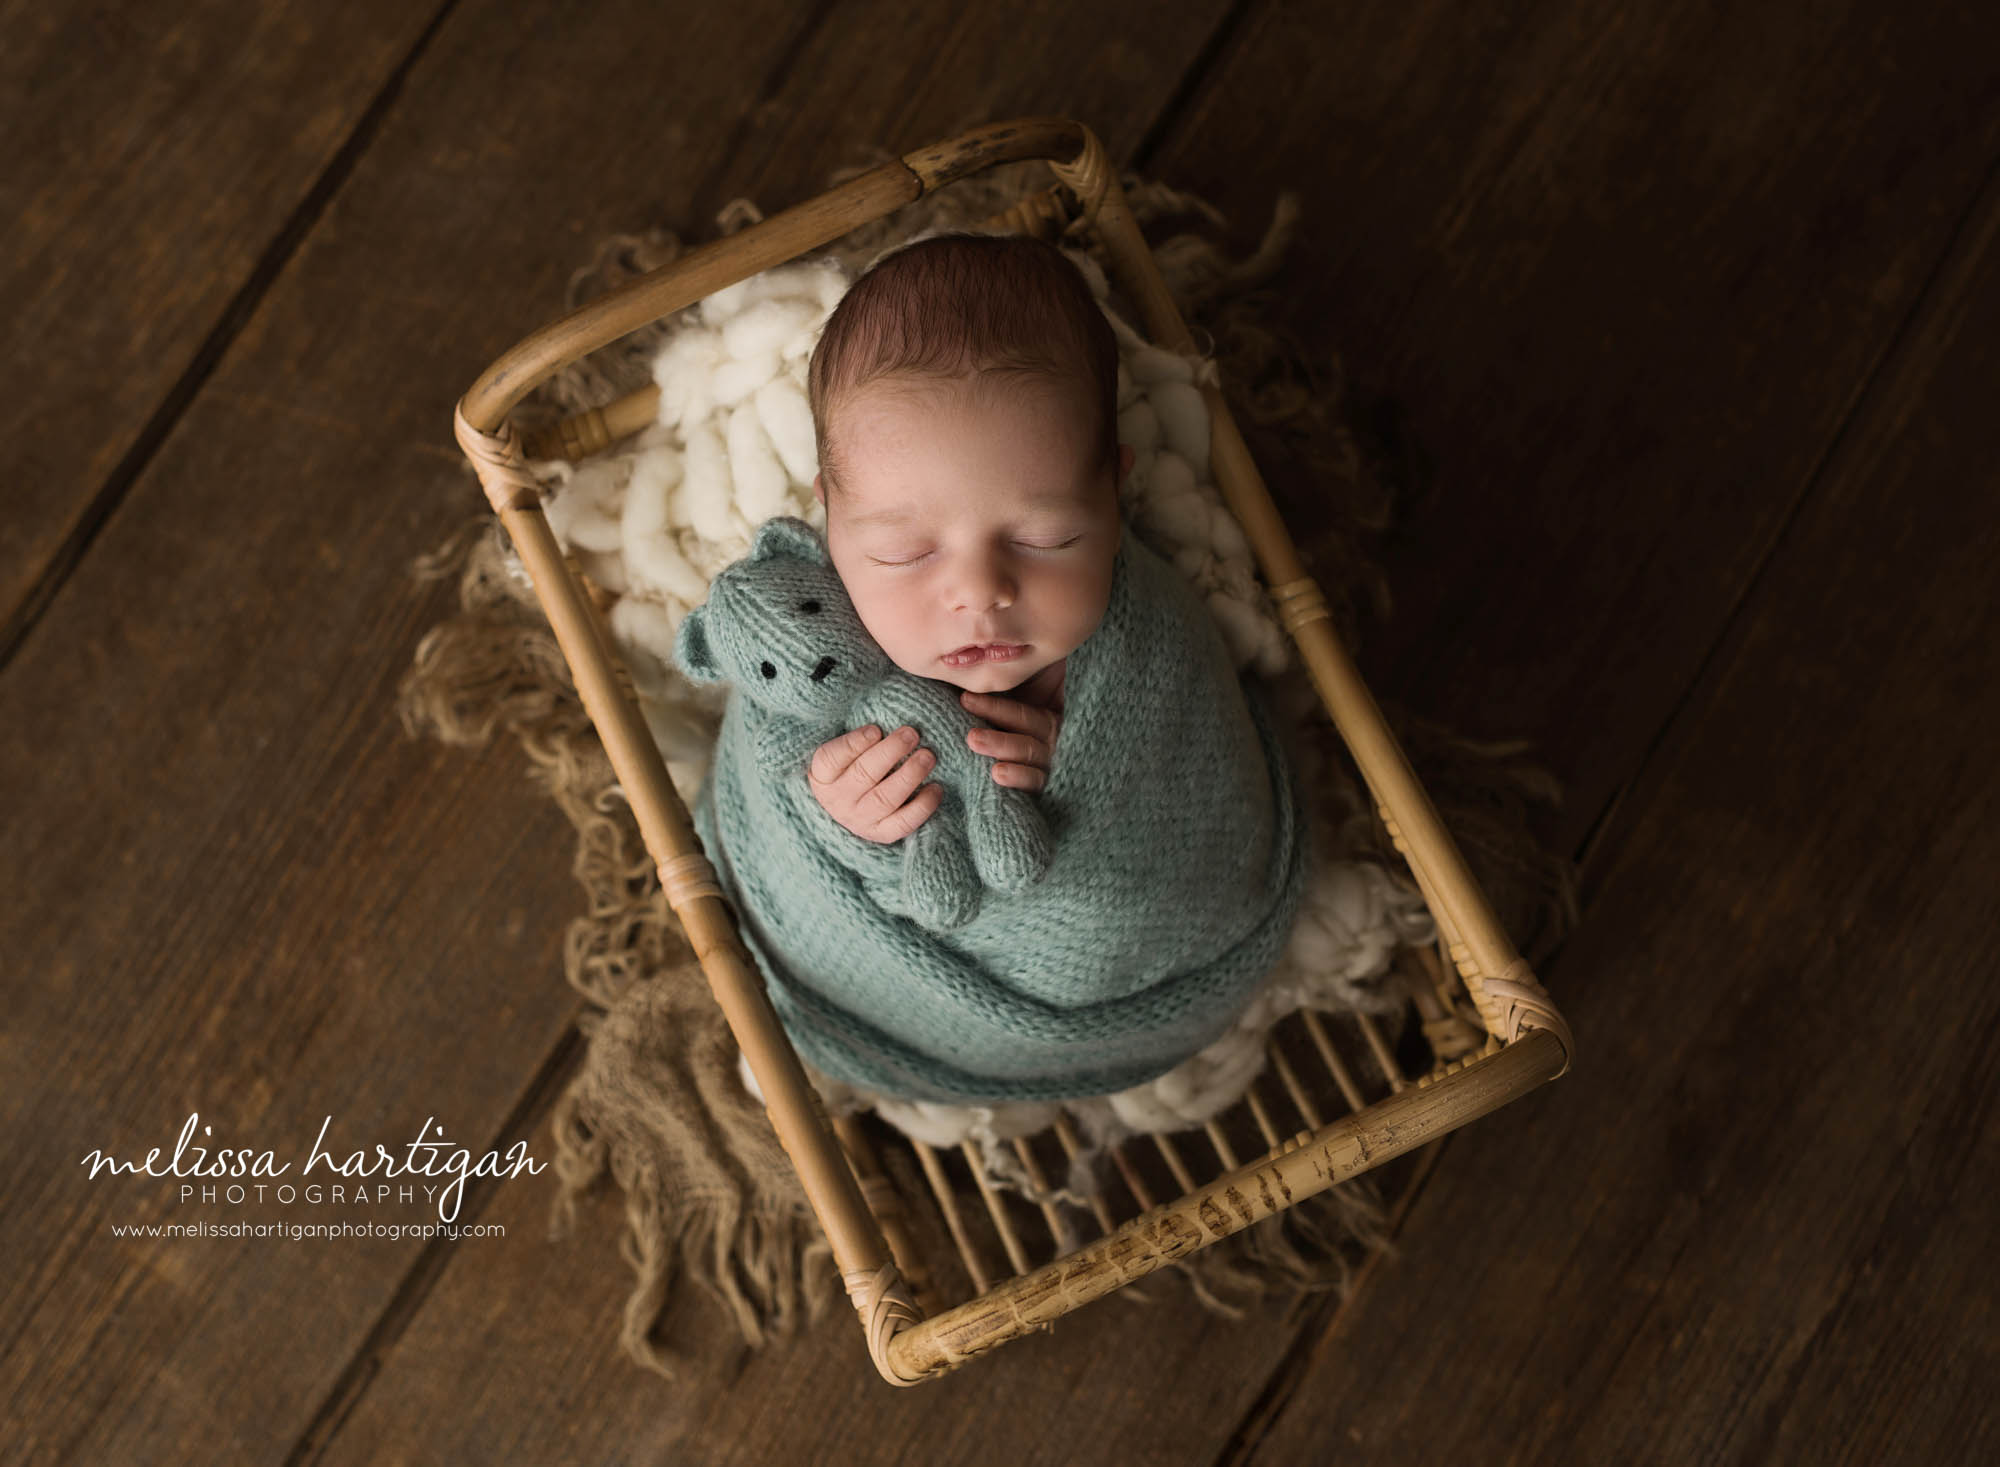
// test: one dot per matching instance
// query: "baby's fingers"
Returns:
(1012, 747)
(893, 789)
(1040, 724)
(883, 755)
(1020, 777)
(834, 757)
(911, 815)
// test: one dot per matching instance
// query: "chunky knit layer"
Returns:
(1180, 854)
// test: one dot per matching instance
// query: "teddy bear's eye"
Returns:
(809, 607)
(767, 669)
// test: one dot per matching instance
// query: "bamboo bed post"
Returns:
(860, 1250)
(905, 1347)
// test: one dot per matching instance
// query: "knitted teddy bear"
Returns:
(779, 626)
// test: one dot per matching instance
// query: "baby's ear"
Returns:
(692, 651)
(787, 535)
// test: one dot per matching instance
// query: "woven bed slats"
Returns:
(1350, 1092)
(947, 1200)
(1379, 1047)
(1529, 1042)
(1260, 1115)
(1299, 1167)
(1293, 1088)
(1251, 1114)
(1134, 1183)
(1059, 1225)
(1224, 1152)
(1010, 1237)
(1099, 1208)
(1171, 1154)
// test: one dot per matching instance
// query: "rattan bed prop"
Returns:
(1526, 1041)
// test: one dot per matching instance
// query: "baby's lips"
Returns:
(957, 658)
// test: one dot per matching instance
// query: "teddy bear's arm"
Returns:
(930, 708)
(940, 889)
(1008, 835)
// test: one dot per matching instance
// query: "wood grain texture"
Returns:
(1613, 276)
(233, 886)
(154, 155)
(1623, 274)
(511, 1359)
(1754, 1226)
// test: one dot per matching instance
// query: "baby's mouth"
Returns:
(978, 652)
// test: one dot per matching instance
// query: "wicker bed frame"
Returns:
(911, 1335)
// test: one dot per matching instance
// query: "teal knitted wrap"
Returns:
(1179, 855)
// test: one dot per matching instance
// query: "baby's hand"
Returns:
(1023, 736)
(864, 782)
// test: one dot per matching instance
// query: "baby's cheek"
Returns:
(901, 630)
(1081, 608)
(878, 611)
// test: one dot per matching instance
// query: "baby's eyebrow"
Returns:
(884, 517)
(904, 516)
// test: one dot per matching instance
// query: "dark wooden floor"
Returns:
(1688, 317)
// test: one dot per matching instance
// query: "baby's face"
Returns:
(974, 538)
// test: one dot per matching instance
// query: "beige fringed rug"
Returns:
(657, 1104)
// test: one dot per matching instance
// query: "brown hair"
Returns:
(957, 305)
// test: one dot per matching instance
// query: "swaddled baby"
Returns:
(964, 394)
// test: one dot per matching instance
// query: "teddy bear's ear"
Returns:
(790, 536)
(692, 651)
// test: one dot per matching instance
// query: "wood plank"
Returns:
(1610, 278)
(1753, 1224)
(517, 1321)
(233, 886)
(155, 155)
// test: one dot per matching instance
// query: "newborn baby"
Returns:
(971, 508)
(964, 395)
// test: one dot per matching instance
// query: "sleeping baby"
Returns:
(964, 396)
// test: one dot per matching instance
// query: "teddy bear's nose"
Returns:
(826, 665)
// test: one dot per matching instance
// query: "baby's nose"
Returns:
(984, 588)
